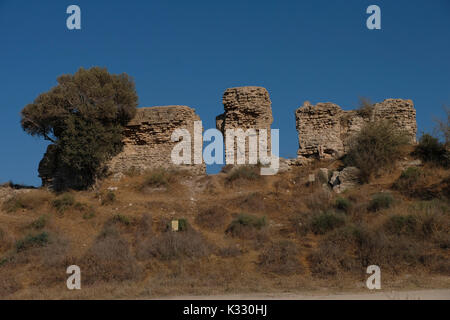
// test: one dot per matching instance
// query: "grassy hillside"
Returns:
(242, 232)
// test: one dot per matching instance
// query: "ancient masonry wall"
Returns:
(324, 129)
(147, 142)
(246, 108)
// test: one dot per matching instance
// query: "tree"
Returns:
(83, 116)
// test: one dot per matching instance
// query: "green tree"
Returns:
(83, 116)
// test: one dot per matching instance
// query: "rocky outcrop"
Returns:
(147, 139)
(324, 129)
(345, 179)
(246, 108)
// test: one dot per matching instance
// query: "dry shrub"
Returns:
(243, 173)
(245, 226)
(212, 218)
(63, 202)
(433, 221)
(229, 252)
(280, 258)
(425, 183)
(108, 198)
(377, 146)
(353, 248)
(54, 260)
(401, 225)
(365, 108)
(158, 179)
(329, 260)
(31, 200)
(174, 245)
(109, 259)
(253, 201)
(319, 200)
(144, 226)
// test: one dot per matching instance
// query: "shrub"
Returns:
(174, 245)
(109, 259)
(431, 150)
(29, 241)
(245, 223)
(39, 223)
(354, 247)
(122, 219)
(343, 204)
(63, 202)
(156, 180)
(325, 222)
(244, 172)
(280, 258)
(378, 145)
(380, 201)
(229, 252)
(109, 198)
(365, 108)
(13, 204)
(28, 201)
(319, 200)
(212, 218)
(401, 224)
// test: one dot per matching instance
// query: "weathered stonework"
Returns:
(246, 108)
(147, 145)
(324, 129)
(147, 141)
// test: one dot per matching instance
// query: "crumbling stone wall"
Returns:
(147, 145)
(147, 141)
(324, 129)
(246, 108)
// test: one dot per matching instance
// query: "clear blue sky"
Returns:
(189, 52)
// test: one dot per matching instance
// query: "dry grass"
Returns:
(309, 237)
(280, 258)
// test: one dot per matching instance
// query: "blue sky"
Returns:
(189, 52)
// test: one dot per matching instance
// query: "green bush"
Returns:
(245, 222)
(30, 241)
(63, 202)
(380, 201)
(377, 146)
(326, 221)
(431, 150)
(343, 204)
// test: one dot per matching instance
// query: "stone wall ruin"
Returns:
(324, 129)
(246, 108)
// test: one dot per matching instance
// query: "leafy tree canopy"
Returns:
(83, 116)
